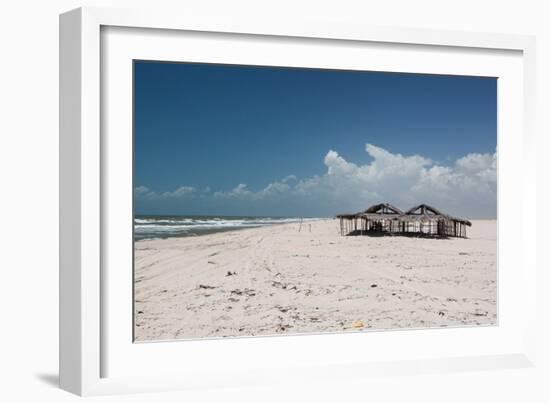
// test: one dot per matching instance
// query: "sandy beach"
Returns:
(281, 279)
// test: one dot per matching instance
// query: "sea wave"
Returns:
(155, 227)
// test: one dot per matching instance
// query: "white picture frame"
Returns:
(86, 333)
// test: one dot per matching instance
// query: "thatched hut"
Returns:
(377, 218)
(427, 220)
(385, 218)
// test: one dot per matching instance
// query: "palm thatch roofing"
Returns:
(424, 212)
(422, 219)
(375, 211)
(383, 208)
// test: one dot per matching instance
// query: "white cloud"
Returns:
(466, 187)
(289, 178)
(474, 163)
(143, 192)
(180, 192)
(239, 191)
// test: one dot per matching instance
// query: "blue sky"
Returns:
(223, 134)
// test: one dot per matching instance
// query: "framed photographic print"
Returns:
(243, 197)
(239, 181)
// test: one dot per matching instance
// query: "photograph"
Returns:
(272, 200)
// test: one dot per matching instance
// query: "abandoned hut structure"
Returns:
(378, 218)
(385, 218)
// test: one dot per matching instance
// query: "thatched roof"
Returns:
(427, 212)
(424, 209)
(421, 212)
(376, 210)
(383, 208)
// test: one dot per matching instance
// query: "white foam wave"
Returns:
(183, 225)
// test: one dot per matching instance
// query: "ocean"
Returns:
(149, 227)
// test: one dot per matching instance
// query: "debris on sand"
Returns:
(246, 292)
(479, 312)
(282, 328)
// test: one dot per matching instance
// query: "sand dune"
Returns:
(279, 280)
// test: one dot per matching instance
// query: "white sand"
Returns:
(287, 281)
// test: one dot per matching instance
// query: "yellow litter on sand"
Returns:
(357, 324)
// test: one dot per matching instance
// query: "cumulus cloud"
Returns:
(180, 192)
(239, 191)
(143, 192)
(466, 187)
